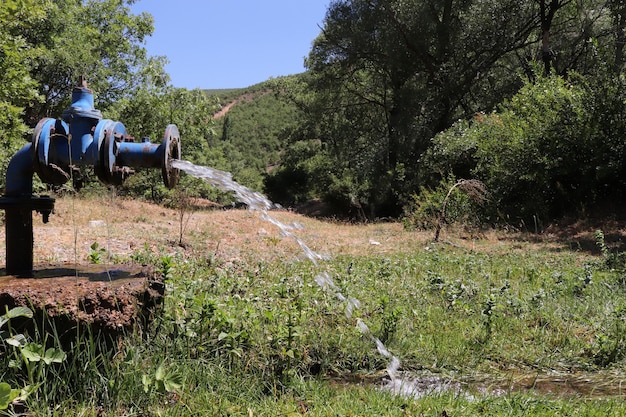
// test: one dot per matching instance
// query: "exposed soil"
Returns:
(110, 299)
(122, 226)
(243, 98)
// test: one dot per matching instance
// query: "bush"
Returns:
(545, 153)
(462, 207)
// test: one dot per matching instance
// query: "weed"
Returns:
(390, 318)
(232, 332)
(488, 312)
(609, 345)
(613, 261)
(585, 279)
(30, 361)
(273, 240)
(474, 189)
(7, 393)
(144, 256)
(163, 380)
(166, 266)
(95, 253)
(431, 208)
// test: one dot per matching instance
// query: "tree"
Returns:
(100, 39)
(17, 89)
(148, 111)
(389, 74)
(618, 16)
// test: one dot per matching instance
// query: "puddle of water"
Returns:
(596, 385)
(89, 272)
(580, 385)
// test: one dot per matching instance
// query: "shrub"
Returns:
(544, 153)
(427, 210)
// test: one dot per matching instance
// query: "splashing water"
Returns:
(258, 202)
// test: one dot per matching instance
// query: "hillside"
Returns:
(250, 129)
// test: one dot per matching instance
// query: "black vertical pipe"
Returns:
(19, 241)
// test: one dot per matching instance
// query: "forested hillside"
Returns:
(251, 130)
(401, 101)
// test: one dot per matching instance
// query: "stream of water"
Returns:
(258, 202)
(415, 386)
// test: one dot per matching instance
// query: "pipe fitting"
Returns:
(58, 147)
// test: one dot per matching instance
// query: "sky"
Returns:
(232, 43)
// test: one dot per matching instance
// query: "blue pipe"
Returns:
(19, 178)
(19, 203)
(57, 148)
(141, 155)
(82, 117)
(82, 143)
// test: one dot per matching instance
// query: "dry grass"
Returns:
(122, 226)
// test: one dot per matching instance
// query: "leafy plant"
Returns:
(96, 253)
(613, 260)
(7, 393)
(608, 346)
(31, 356)
(35, 357)
(390, 318)
(163, 381)
(166, 266)
(474, 189)
(431, 208)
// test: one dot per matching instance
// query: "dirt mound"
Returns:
(110, 300)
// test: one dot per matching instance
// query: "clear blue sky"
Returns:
(232, 43)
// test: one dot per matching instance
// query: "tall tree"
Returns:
(100, 39)
(17, 89)
(389, 74)
(618, 14)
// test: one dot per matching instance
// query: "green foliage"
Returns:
(386, 76)
(163, 381)
(301, 174)
(30, 360)
(95, 253)
(100, 39)
(544, 154)
(535, 149)
(147, 112)
(252, 133)
(18, 89)
(425, 211)
(7, 395)
(238, 333)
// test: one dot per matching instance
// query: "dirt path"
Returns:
(243, 98)
(225, 109)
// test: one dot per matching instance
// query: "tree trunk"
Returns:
(547, 10)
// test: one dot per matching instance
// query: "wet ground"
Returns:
(580, 385)
(112, 298)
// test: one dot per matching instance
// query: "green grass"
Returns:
(258, 338)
